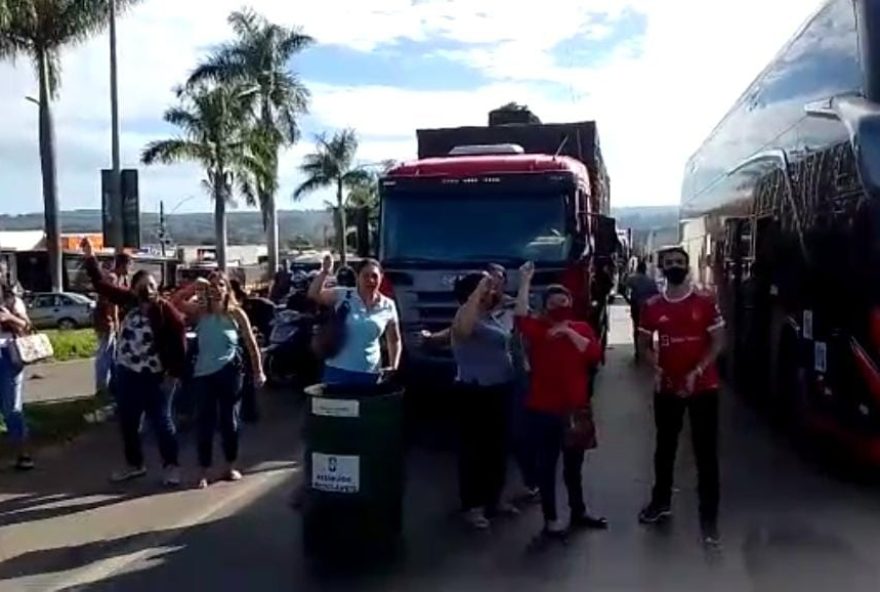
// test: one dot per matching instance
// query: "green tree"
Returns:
(216, 134)
(259, 58)
(332, 166)
(39, 30)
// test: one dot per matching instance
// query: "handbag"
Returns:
(30, 348)
(580, 430)
(330, 333)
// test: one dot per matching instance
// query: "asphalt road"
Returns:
(788, 524)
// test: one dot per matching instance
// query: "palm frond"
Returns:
(293, 41)
(174, 151)
(311, 185)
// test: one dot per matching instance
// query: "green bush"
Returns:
(73, 345)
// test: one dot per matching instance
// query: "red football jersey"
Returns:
(683, 327)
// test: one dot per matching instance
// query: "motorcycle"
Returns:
(287, 358)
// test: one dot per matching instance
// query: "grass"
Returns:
(73, 345)
(57, 423)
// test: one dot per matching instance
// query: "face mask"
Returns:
(675, 275)
(143, 295)
(559, 315)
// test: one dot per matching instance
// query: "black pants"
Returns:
(140, 394)
(669, 413)
(218, 401)
(483, 446)
(548, 436)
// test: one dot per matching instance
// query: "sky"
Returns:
(655, 75)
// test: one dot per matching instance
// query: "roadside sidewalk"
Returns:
(64, 525)
(59, 381)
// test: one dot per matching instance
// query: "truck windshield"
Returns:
(477, 228)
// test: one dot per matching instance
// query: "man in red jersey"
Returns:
(689, 328)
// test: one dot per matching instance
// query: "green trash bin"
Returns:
(354, 469)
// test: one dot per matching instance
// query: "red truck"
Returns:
(506, 193)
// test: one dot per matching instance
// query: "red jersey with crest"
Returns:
(683, 327)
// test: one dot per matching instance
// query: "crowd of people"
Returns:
(523, 376)
(558, 354)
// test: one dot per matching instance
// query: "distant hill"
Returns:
(247, 227)
(192, 229)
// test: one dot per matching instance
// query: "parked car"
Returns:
(64, 310)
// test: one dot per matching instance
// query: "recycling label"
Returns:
(336, 473)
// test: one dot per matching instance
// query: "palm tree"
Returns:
(39, 30)
(259, 58)
(215, 133)
(332, 165)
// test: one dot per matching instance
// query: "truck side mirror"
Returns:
(606, 236)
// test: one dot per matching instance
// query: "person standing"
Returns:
(689, 327)
(14, 321)
(371, 315)
(639, 289)
(484, 386)
(223, 331)
(562, 353)
(106, 321)
(150, 360)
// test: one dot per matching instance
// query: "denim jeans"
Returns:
(548, 436)
(11, 380)
(105, 357)
(669, 411)
(140, 394)
(218, 401)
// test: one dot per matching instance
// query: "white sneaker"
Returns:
(128, 474)
(172, 476)
(233, 475)
(476, 518)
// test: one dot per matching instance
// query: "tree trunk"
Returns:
(50, 179)
(220, 235)
(341, 242)
(272, 243)
(267, 201)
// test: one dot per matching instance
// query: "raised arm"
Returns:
(318, 292)
(469, 313)
(183, 301)
(115, 294)
(526, 273)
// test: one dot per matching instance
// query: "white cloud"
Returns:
(653, 106)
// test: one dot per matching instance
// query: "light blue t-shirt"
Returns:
(364, 327)
(218, 343)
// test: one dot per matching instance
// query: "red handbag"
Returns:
(580, 430)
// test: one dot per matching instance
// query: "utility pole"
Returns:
(163, 233)
(116, 228)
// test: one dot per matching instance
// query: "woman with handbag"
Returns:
(349, 340)
(14, 322)
(226, 343)
(150, 358)
(561, 355)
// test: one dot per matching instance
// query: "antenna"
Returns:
(561, 145)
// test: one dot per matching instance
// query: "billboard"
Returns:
(131, 217)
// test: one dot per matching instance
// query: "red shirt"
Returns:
(559, 371)
(684, 328)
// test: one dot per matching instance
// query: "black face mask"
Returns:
(675, 275)
(143, 295)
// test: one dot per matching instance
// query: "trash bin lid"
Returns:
(354, 391)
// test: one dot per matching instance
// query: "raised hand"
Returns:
(327, 263)
(86, 246)
(527, 271)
